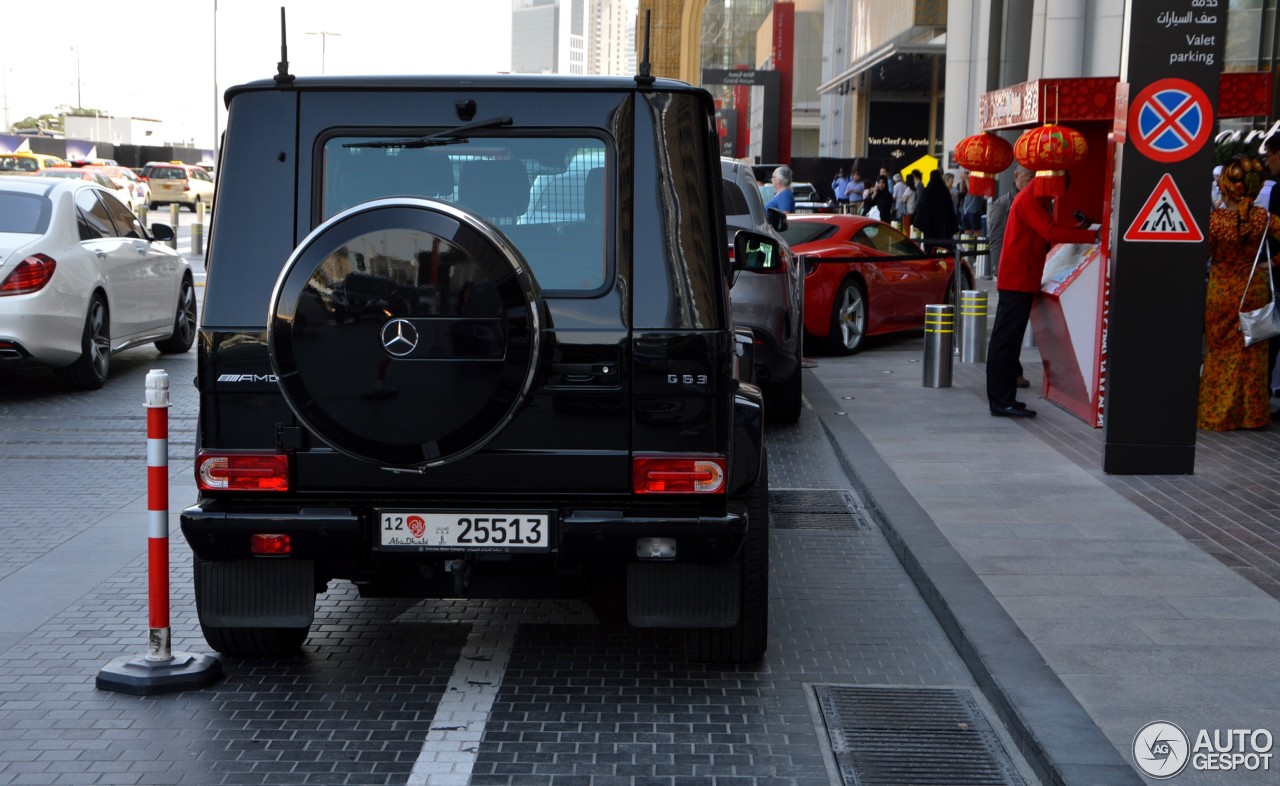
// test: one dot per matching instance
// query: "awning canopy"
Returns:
(901, 65)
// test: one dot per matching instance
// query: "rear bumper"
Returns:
(345, 537)
(773, 362)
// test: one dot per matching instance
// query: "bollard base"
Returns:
(143, 677)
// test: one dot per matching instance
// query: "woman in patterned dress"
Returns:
(1233, 384)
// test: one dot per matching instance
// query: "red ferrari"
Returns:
(856, 286)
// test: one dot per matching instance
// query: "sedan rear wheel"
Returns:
(184, 322)
(848, 319)
(89, 371)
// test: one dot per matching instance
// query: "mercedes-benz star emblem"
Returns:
(399, 337)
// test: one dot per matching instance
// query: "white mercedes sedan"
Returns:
(82, 278)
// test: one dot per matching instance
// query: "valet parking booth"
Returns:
(1070, 320)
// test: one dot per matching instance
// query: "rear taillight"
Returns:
(29, 276)
(186, 185)
(242, 471)
(677, 474)
(270, 545)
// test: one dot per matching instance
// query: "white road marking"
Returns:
(449, 752)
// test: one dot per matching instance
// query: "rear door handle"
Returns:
(583, 371)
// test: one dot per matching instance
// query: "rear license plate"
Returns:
(464, 531)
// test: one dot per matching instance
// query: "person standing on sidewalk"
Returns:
(840, 185)
(935, 214)
(879, 201)
(855, 192)
(783, 198)
(1029, 234)
(997, 215)
(1233, 384)
(972, 208)
(1272, 203)
(908, 198)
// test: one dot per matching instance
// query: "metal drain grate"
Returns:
(814, 509)
(921, 736)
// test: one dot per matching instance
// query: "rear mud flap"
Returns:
(257, 593)
(676, 595)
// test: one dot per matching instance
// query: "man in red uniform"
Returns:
(1029, 233)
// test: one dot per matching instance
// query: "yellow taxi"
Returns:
(28, 163)
(173, 182)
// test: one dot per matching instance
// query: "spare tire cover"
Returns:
(405, 332)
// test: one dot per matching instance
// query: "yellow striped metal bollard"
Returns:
(939, 338)
(973, 326)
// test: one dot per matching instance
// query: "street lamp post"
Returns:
(79, 101)
(324, 38)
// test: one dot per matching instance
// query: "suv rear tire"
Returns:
(784, 400)
(746, 641)
(248, 642)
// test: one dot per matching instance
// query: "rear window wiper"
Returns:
(449, 136)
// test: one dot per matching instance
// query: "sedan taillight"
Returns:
(242, 471)
(29, 276)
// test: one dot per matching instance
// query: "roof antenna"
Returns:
(283, 77)
(644, 79)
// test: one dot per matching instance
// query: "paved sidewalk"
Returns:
(1109, 579)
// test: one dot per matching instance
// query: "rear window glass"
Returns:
(168, 173)
(26, 214)
(886, 239)
(18, 164)
(798, 232)
(735, 202)
(547, 194)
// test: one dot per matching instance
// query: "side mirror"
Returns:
(756, 253)
(162, 232)
(776, 219)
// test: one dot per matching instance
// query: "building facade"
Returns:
(889, 64)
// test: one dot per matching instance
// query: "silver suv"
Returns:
(771, 305)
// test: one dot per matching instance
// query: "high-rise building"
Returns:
(573, 37)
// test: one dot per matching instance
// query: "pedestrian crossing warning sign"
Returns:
(1165, 217)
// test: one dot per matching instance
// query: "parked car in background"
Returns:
(771, 305)
(809, 200)
(28, 163)
(91, 176)
(859, 281)
(81, 278)
(93, 162)
(126, 178)
(178, 183)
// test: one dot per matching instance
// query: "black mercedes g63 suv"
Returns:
(471, 336)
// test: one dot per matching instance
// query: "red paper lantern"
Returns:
(985, 155)
(1050, 151)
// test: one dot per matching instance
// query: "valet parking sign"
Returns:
(1160, 209)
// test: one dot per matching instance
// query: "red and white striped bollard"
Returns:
(161, 670)
(159, 638)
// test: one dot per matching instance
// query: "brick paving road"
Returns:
(580, 702)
